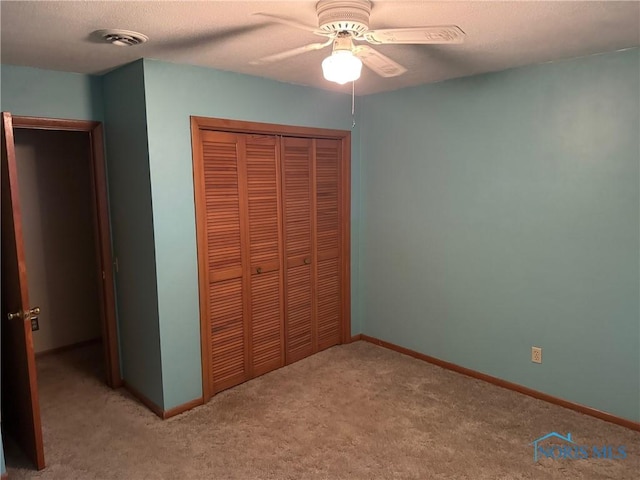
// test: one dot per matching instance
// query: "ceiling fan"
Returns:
(346, 23)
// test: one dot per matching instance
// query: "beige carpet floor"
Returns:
(355, 412)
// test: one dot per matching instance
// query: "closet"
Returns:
(272, 216)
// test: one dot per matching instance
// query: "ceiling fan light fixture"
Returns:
(341, 66)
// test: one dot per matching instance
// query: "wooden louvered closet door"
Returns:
(264, 242)
(297, 181)
(328, 235)
(243, 257)
(311, 205)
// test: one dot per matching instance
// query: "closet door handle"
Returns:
(259, 270)
(307, 261)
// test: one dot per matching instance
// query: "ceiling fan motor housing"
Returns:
(344, 16)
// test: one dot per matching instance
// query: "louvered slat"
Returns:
(298, 314)
(328, 294)
(263, 200)
(222, 201)
(266, 322)
(297, 192)
(227, 334)
(327, 195)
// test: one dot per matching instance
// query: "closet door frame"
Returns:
(199, 124)
(102, 228)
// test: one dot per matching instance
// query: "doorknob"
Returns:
(32, 312)
(307, 261)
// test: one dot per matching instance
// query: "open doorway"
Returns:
(54, 178)
(61, 227)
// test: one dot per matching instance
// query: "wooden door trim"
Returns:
(239, 126)
(313, 270)
(345, 204)
(40, 123)
(114, 378)
(101, 214)
(202, 254)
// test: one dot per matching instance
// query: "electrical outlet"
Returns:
(536, 354)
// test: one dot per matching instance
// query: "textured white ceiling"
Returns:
(225, 35)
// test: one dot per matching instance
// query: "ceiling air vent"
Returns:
(122, 38)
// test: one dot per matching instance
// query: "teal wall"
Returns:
(501, 211)
(489, 214)
(44, 93)
(132, 229)
(173, 93)
(3, 468)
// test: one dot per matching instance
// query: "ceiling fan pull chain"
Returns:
(353, 104)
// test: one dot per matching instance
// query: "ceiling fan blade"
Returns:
(416, 35)
(379, 63)
(207, 39)
(291, 23)
(291, 53)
